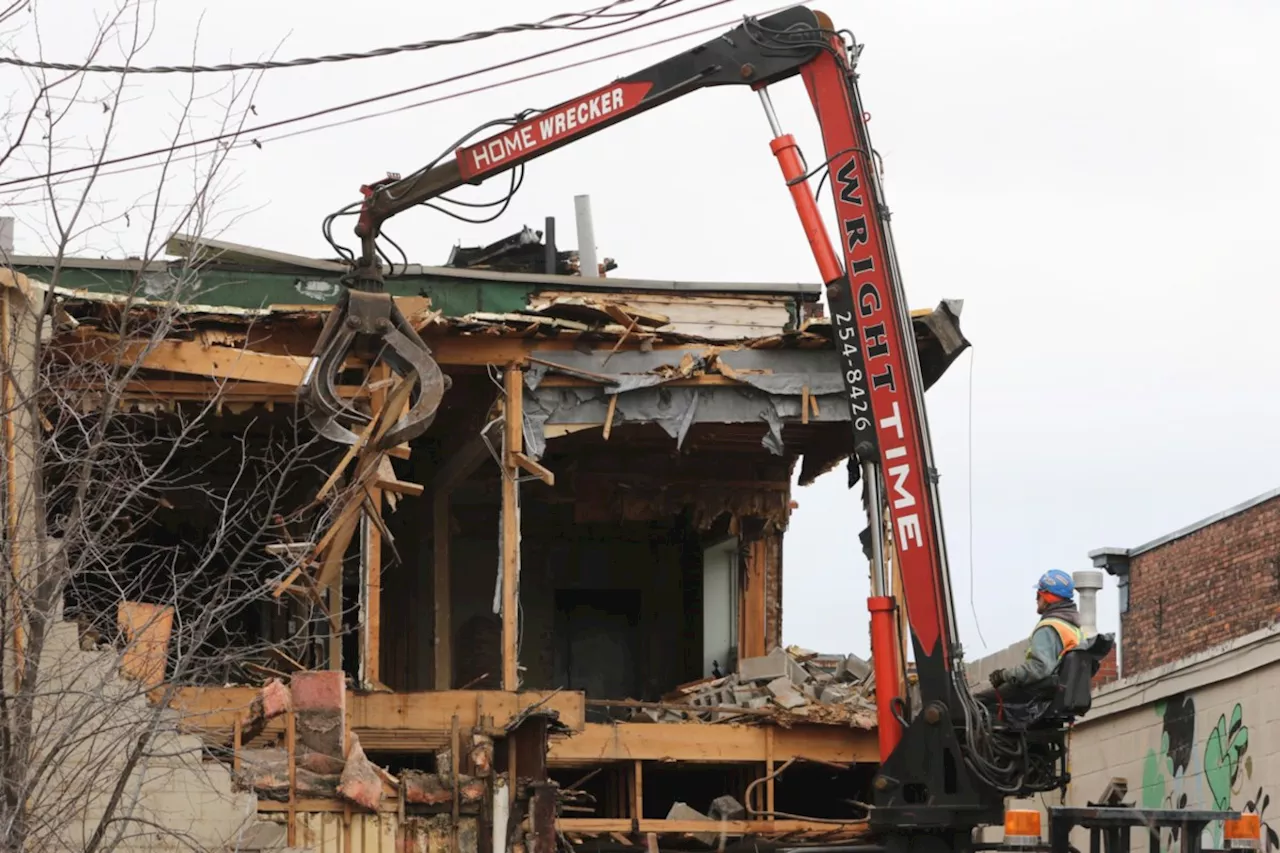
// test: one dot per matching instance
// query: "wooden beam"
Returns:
(414, 719)
(519, 460)
(481, 350)
(372, 581)
(228, 389)
(703, 381)
(513, 388)
(401, 487)
(698, 742)
(751, 608)
(460, 465)
(197, 359)
(442, 597)
(603, 826)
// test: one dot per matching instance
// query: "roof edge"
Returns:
(804, 290)
(1103, 553)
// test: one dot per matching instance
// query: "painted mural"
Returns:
(1202, 763)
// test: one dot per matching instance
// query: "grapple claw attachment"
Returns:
(370, 324)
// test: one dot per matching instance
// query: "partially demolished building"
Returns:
(556, 616)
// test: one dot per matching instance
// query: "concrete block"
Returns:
(785, 693)
(683, 811)
(767, 668)
(834, 694)
(727, 808)
(797, 673)
(853, 668)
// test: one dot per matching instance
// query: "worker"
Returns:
(1057, 633)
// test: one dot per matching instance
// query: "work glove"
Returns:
(997, 678)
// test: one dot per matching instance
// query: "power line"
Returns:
(511, 81)
(550, 23)
(111, 161)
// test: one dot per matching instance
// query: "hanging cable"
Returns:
(551, 23)
(111, 161)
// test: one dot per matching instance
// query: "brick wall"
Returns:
(1217, 583)
(1108, 671)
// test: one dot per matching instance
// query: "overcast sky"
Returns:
(1095, 180)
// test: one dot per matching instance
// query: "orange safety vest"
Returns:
(1068, 633)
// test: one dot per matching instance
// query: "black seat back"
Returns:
(1075, 675)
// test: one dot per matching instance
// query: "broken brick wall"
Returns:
(1217, 583)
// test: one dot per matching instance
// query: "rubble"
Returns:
(790, 682)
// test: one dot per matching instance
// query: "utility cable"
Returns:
(551, 23)
(111, 161)
(259, 143)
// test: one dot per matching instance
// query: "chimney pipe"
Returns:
(588, 266)
(1088, 582)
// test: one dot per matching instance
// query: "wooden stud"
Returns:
(519, 460)
(455, 750)
(804, 404)
(751, 609)
(813, 404)
(291, 744)
(511, 769)
(442, 593)
(608, 416)
(768, 769)
(235, 746)
(513, 385)
(400, 487)
(637, 791)
(373, 598)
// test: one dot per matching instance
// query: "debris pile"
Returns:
(786, 683)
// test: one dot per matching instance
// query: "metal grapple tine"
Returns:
(407, 358)
(366, 315)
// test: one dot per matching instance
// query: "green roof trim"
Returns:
(253, 289)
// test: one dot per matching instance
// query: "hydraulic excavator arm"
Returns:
(944, 767)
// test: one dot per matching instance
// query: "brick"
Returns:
(319, 691)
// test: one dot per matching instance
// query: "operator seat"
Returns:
(1074, 694)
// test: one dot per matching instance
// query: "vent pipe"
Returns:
(588, 266)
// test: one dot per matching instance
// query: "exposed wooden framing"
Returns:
(455, 754)
(442, 592)
(372, 583)
(335, 613)
(228, 389)
(513, 388)
(460, 465)
(533, 467)
(707, 379)
(603, 826)
(197, 359)
(637, 790)
(400, 487)
(384, 719)
(698, 742)
(751, 609)
(608, 416)
(291, 745)
(769, 772)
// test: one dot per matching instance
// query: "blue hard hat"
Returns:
(1058, 583)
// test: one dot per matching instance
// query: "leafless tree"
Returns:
(135, 530)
